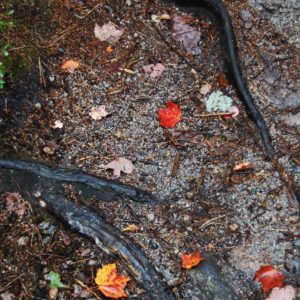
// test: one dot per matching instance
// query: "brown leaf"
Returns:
(120, 165)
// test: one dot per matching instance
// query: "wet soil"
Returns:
(244, 219)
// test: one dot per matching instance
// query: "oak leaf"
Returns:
(269, 278)
(119, 165)
(111, 284)
(170, 116)
(191, 260)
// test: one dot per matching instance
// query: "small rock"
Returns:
(247, 18)
(154, 245)
(189, 228)
(48, 150)
(7, 296)
(278, 206)
(150, 217)
(44, 225)
(294, 219)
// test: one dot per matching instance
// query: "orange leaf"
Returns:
(269, 278)
(169, 117)
(191, 260)
(109, 49)
(131, 228)
(111, 284)
(222, 80)
(70, 65)
(244, 166)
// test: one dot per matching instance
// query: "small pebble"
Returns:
(233, 227)
(53, 293)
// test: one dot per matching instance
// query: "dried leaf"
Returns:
(244, 166)
(170, 116)
(109, 49)
(111, 284)
(186, 34)
(120, 165)
(205, 89)
(15, 203)
(58, 124)
(191, 260)
(155, 70)
(108, 32)
(158, 18)
(269, 277)
(98, 112)
(131, 228)
(285, 293)
(70, 65)
(7, 296)
(222, 80)
(218, 101)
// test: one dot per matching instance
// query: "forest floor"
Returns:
(244, 219)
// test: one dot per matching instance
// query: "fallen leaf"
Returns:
(218, 101)
(155, 70)
(205, 89)
(108, 32)
(269, 278)
(54, 280)
(109, 49)
(244, 166)
(234, 111)
(70, 65)
(158, 18)
(7, 296)
(53, 293)
(58, 124)
(131, 228)
(111, 284)
(170, 116)
(191, 260)
(15, 203)
(186, 34)
(98, 112)
(120, 165)
(222, 80)
(285, 293)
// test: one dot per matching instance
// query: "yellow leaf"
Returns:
(131, 227)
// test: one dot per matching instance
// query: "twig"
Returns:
(175, 164)
(209, 222)
(87, 288)
(214, 115)
(10, 283)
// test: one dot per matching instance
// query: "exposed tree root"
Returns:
(74, 176)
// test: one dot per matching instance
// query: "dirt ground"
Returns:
(244, 219)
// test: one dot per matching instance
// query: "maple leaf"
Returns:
(170, 116)
(120, 165)
(98, 112)
(191, 260)
(269, 277)
(186, 34)
(70, 65)
(16, 203)
(111, 284)
(285, 293)
(108, 32)
(155, 70)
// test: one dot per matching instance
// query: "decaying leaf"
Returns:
(191, 260)
(109, 49)
(70, 65)
(217, 101)
(158, 18)
(205, 89)
(269, 278)
(120, 165)
(170, 116)
(285, 293)
(15, 203)
(98, 112)
(108, 32)
(222, 80)
(111, 284)
(154, 70)
(58, 124)
(186, 34)
(244, 166)
(131, 228)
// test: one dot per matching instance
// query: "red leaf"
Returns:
(222, 80)
(169, 117)
(269, 278)
(191, 260)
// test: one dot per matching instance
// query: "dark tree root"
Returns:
(217, 8)
(74, 176)
(91, 224)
